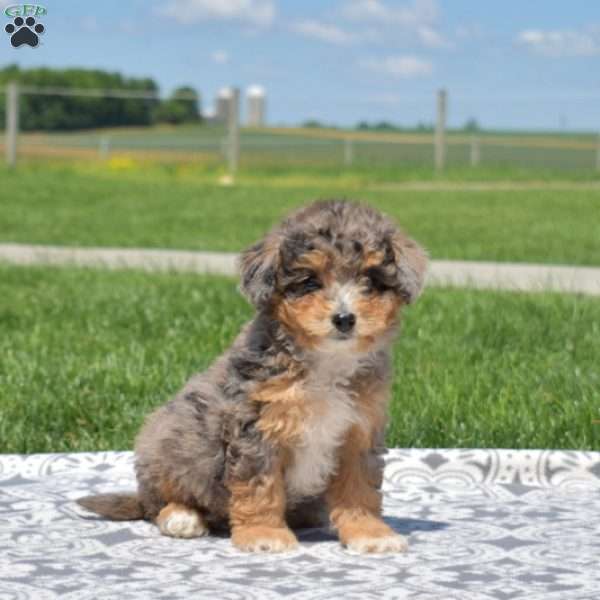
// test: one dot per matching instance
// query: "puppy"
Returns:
(286, 429)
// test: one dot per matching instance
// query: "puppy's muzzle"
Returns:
(344, 321)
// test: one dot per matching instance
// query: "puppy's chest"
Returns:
(331, 409)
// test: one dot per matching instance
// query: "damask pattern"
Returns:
(482, 524)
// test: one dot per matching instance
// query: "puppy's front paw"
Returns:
(378, 545)
(371, 535)
(263, 539)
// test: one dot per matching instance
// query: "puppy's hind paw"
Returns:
(176, 520)
(264, 539)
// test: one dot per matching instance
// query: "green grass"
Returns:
(149, 206)
(86, 354)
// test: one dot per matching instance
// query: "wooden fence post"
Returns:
(440, 131)
(475, 150)
(12, 123)
(233, 131)
(598, 153)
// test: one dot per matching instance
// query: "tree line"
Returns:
(53, 112)
(471, 126)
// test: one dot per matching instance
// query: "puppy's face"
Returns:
(328, 298)
(335, 275)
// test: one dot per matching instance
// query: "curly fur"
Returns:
(286, 427)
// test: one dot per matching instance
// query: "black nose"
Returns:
(344, 321)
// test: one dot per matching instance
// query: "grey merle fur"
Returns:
(207, 436)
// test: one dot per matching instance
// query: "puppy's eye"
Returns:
(376, 282)
(303, 286)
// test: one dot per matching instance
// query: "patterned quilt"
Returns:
(482, 524)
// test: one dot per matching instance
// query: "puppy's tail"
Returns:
(118, 507)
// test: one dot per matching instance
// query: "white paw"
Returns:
(265, 540)
(269, 545)
(379, 545)
(182, 524)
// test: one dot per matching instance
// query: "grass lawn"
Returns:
(86, 354)
(177, 207)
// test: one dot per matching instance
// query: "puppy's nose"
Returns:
(344, 322)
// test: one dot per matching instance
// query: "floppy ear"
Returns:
(258, 268)
(411, 265)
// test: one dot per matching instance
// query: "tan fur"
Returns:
(353, 495)
(168, 511)
(372, 259)
(257, 514)
(376, 315)
(259, 501)
(169, 491)
(349, 493)
(260, 538)
(308, 318)
(283, 421)
(355, 504)
(284, 408)
(316, 260)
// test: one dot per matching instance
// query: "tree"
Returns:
(313, 124)
(471, 125)
(50, 112)
(182, 107)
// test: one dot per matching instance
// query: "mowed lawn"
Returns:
(85, 354)
(146, 206)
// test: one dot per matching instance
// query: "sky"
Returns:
(514, 64)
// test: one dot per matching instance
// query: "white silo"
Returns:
(223, 100)
(256, 106)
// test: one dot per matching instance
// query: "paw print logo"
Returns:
(24, 32)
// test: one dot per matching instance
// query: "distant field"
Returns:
(377, 155)
(133, 204)
(86, 354)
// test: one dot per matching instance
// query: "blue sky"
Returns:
(509, 64)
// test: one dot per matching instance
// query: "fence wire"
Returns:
(316, 147)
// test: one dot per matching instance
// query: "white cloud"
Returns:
(221, 57)
(419, 12)
(398, 66)
(417, 19)
(561, 43)
(254, 12)
(432, 38)
(358, 10)
(323, 31)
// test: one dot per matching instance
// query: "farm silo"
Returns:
(223, 101)
(256, 106)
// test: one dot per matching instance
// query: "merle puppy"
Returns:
(286, 427)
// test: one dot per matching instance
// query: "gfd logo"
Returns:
(25, 30)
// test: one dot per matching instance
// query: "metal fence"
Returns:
(226, 144)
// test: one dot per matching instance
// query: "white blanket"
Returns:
(481, 524)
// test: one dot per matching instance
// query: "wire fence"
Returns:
(222, 143)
